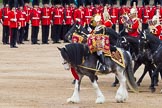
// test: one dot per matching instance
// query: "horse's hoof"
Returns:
(113, 85)
(138, 84)
(72, 100)
(73, 82)
(152, 89)
(100, 100)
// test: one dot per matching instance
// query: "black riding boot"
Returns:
(103, 67)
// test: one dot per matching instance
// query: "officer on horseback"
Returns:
(99, 42)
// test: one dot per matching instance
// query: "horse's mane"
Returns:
(153, 39)
(76, 52)
(114, 36)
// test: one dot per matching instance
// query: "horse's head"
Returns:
(65, 58)
(123, 43)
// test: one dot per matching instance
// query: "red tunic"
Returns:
(133, 29)
(13, 19)
(123, 10)
(114, 14)
(58, 16)
(35, 17)
(68, 12)
(28, 11)
(87, 15)
(46, 16)
(79, 16)
(145, 14)
(5, 11)
(22, 20)
(157, 30)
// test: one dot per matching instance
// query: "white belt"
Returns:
(35, 18)
(68, 16)
(45, 16)
(5, 16)
(22, 19)
(88, 16)
(57, 16)
(113, 16)
(146, 16)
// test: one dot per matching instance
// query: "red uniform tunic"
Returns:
(123, 10)
(22, 20)
(96, 11)
(27, 11)
(152, 12)
(87, 15)
(35, 17)
(68, 15)
(157, 30)
(114, 14)
(145, 14)
(46, 16)
(133, 28)
(58, 16)
(79, 16)
(13, 19)
(5, 11)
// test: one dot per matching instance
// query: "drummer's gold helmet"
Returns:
(96, 18)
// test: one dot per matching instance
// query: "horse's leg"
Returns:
(100, 97)
(144, 73)
(115, 83)
(122, 93)
(75, 97)
(154, 77)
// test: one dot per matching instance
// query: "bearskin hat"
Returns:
(123, 2)
(35, 2)
(80, 3)
(113, 2)
(13, 3)
(88, 2)
(45, 1)
(26, 1)
(5, 2)
(57, 2)
(20, 3)
(96, 2)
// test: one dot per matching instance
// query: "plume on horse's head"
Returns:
(75, 52)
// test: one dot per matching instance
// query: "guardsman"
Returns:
(106, 18)
(114, 13)
(68, 19)
(99, 42)
(52, 8)
(21, 22)
(87, 14)
(155, 27)
(27, 10)
(5, 22)
(133, 23)
(35, 21)
(158, 7)
(79, 14)
(97, 9)
(57, 21)
(122, 11)
(13, 20)
(145, 15)
(46, 20)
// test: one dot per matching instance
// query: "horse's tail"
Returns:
(130, 74)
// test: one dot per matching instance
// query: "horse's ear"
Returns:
(59, 48)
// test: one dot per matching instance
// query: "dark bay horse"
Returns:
(73, 55)
(140, 56)
(155, 50)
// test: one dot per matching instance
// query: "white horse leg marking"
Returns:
(100, 97)
(161, 91)
(75, 97)
(122, 93)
